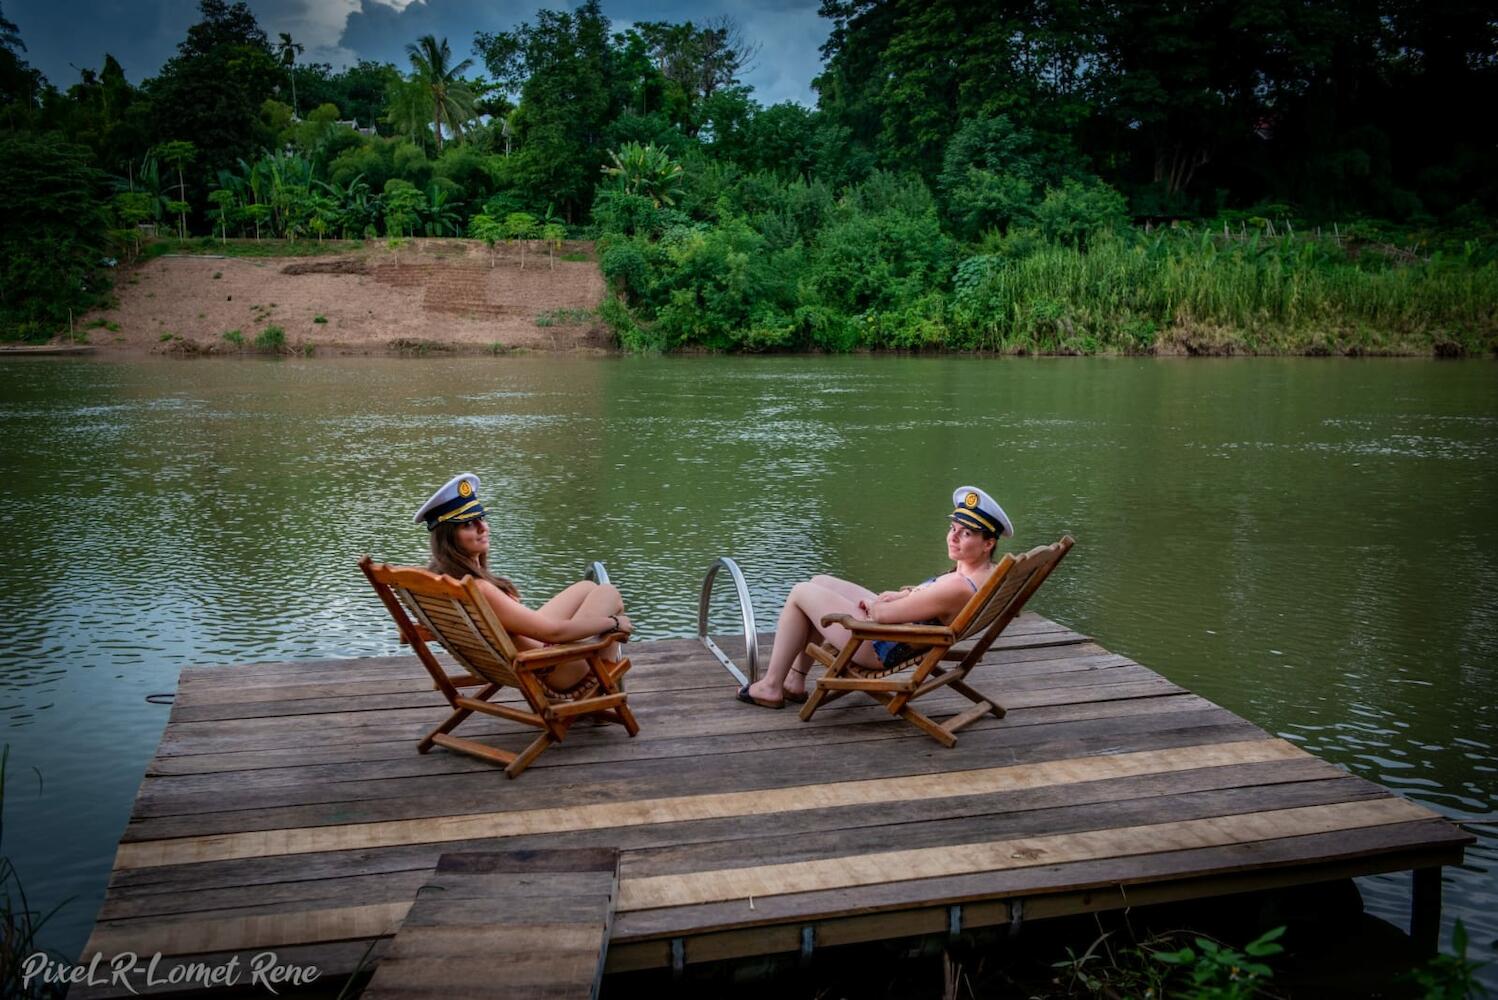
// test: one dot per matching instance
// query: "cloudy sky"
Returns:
(62, 36)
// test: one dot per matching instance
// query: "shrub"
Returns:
(235, 337)
(271, 340)
(563, 317)
(1080, 211)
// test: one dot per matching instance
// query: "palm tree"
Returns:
(406, 108)
(287, 52)
(452, 100)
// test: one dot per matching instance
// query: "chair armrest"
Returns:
(550, 656)
(863, 629)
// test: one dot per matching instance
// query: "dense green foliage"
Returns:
(997, 177)
(51, 201)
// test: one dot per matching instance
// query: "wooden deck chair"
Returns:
(986, 614)
(456, 614)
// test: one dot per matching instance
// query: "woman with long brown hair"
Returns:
(459, 536)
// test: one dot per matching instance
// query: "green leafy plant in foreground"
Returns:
(1220, 973)
(1202, 970)
(1450, 977)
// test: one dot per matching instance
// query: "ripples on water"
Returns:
(1309, 544)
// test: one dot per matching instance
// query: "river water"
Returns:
(1309, 543)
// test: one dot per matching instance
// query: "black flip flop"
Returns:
(749, 699)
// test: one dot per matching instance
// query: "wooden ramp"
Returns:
(516, 925)
(287, 810)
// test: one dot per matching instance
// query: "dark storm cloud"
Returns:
(63, 38)
(143, 35)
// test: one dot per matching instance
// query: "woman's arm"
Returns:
(521, 620)
(942, 600)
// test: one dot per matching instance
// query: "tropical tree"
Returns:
(226, 201)
(488, 229)
(54, 232)
(259, 214)
(286, 52)
(441, 217)
(132, 208)
(646, 170)
(352, 208)
(553, 233)
(563, 68)
(450, 98)
(147, 181)
(211, 92)
(406, 108)
(403, 203)
(520, 226)
(178, 153)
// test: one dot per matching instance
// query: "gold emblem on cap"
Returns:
(971, 500)
(465, 489)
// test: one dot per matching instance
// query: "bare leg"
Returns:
(588, 600)
(852, 591)
(566, 602)
(800, 622)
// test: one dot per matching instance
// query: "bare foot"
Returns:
(762, 688)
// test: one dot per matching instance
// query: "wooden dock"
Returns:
(287, 810)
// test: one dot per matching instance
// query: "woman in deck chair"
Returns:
(459, 535)
(972, 538)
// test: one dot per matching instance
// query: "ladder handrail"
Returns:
(751, 636)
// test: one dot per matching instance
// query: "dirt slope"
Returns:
(432, 295)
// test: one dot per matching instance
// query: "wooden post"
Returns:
(1425, 910)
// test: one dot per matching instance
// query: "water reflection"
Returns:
(1307, 543)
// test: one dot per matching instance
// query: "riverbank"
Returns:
(423, 296)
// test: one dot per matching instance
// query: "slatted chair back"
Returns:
(461, 619)
(427, 607)
(1003, 595)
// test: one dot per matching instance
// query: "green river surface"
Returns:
(1309, 543)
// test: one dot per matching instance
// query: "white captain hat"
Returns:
(457, 501)
(977, 509)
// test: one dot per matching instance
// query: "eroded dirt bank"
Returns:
(432, 295)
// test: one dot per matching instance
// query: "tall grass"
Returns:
(1203, 293)
(19, 923)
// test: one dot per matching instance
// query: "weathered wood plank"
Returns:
(1194, 820)
(436, 774)
(262, 727)
(835, 830)
(1104, 699)
(411, 687)
(197, 886)
(682, 889)
(504, 926)
(1308, 851)
(297, 829)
